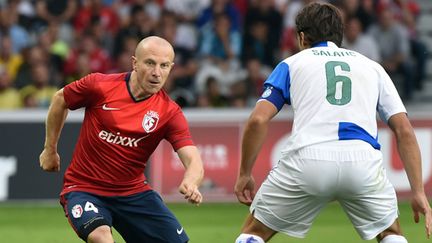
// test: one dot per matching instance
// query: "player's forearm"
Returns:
(55, 120)
(191, 159)
(411, 158)
(253, 138)
(194, 172)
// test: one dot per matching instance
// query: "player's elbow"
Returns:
(257, 120)
(404, 133)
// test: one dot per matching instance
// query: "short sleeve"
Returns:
(80, 93)
(279, 79)
(389, 101)
(178, 134)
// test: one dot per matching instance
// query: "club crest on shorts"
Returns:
(77, 211)
(150, 121)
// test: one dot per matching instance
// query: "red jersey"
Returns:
(118, 134)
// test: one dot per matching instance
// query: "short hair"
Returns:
(320, 22)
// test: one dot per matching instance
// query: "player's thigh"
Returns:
(85, 212)
(368, 198)
(288, 201)
(144, 217)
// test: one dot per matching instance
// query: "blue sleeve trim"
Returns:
(281, 81)
(351, 131)
(274, 96)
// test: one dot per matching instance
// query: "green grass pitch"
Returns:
(207, 223)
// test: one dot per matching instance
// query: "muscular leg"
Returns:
(393, 231)
(254, 227)
(101, 234)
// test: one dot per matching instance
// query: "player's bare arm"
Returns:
(49, 160)
(253, 138)
(410, 155)
(193, 176)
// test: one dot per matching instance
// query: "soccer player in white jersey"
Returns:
(333, 153)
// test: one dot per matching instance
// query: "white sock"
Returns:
(394, 239)
(248, 238)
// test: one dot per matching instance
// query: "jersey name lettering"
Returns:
(333, 53)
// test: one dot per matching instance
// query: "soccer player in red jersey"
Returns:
(126, 116)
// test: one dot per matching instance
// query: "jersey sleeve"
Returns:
(389, 101)
(80, 93)
(280, 81)
(178, 134)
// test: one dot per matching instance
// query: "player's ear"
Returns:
(299, 40)
(134, 62)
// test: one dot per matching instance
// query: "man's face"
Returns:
(153, 64)
(353, 30)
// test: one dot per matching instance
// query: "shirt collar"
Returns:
(325, 43)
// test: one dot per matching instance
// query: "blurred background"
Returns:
(225, 49)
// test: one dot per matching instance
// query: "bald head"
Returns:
(153, 43)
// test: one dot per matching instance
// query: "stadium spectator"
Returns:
(212, 96)
(39, 93)
(181, 83)
(100, 60)
(83, 68)
(256, 44)
(355, 39)
(32, 56)
(91, 8)
(9, 96)
(218, 7)
(187, 12)
(123, 63)
(56, 50)
(138, 27)
(262, 16)
(9, 26)
(289, 42)
(394, 54)
(332, 153)
(364, 10)
(219, 55)
(10, 60)
(256, 75)
(104, 185)
(56, 12)
(407, 12)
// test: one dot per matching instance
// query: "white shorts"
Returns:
(303, 182)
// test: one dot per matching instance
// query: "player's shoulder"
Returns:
(109, 77)
(366, 60)
(168, 103)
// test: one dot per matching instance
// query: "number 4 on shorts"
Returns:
(90, 207)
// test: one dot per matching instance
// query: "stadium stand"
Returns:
(51, 32)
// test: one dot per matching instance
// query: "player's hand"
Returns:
(191, 192)
(49, 160)
(245, 189)
(420, 205)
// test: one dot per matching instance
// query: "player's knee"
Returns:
(101, 234)
(248, 238)
(394, 239)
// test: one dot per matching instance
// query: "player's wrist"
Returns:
(50, 147)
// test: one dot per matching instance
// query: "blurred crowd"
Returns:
(225, 49)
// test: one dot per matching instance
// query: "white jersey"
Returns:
(335, 94)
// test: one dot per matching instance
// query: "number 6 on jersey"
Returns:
(338, 86)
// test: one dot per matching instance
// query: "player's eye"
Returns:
(150, 63)
(165, 65)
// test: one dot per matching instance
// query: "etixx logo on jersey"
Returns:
(150, 121)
